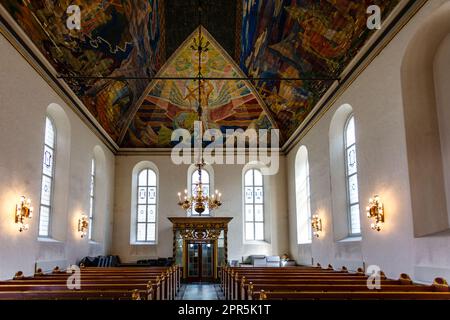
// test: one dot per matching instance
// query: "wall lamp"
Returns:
(24, 211)
(83, 226)
(316, 224)
(375, 210)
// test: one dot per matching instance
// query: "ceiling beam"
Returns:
(201, 78)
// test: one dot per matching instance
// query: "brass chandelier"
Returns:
(198, 200)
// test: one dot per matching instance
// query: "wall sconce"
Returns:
(24, 210)
(375, 210)
(83, 226)
(316, 223)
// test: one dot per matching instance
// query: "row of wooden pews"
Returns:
(316, 283)
(114, 283)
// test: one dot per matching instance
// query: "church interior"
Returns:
(225, 149)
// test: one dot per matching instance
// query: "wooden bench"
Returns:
(318, 283)
(262, 295)
(96, 283)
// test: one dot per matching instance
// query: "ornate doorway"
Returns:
(200, 245)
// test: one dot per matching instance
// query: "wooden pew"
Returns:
(233, 276)
(262, 295)
(96, 283)
(319, 283)
(71, 295)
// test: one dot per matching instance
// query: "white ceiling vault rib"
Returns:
(394, 23)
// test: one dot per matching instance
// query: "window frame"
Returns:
(92, 198)
(348, 176)
(253, 203)
(303, 180)
(52, 179)
(156, 204)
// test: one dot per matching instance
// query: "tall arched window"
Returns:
(92, 198)
(147, 203)
(351, 174)
(254, 205)
(303, 200)
(195, 178)
(48, 174)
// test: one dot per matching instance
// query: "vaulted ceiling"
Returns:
(109, 63)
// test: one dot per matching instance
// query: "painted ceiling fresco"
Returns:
(127, 38)
(117, 39)
(173, 104)
(306, 39)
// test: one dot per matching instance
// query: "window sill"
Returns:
(153, 243)
(48, 240)
(304, 243)
(351, 239)
(94, 242)
(256, 242)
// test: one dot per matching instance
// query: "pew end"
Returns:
(39, 273)
(440, 285)
(405, 279)
(262, 295)
(57, 270)
(136, 295)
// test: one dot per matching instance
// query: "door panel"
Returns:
(200, 261)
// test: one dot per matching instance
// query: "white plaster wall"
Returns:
(376, 99)
(172, 179)
(24, 97)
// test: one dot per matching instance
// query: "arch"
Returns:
(58, 215)
(138, 170)
(303, 196)
(423, 137)
(340, 212)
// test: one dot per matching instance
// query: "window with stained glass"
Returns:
(92, 198)
(352, 178)
(147, 206)
(48, 173)
(254, 205)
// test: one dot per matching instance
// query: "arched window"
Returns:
(147, 203)
(254, 205)
(193, 177)
(351, 175)
(48, 174)
(92, 198)
(303, 200)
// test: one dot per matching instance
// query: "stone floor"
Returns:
(200, 291)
